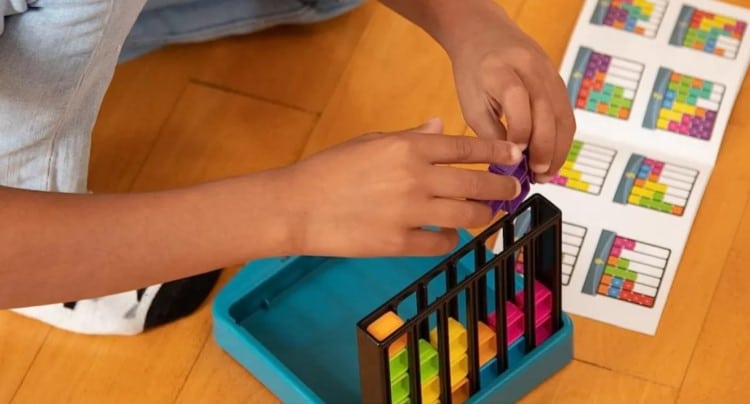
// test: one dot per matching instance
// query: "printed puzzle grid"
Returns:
(620, 254)
(653, 84)
(670, 88)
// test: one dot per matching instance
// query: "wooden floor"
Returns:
(193, 113)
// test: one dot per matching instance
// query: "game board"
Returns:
(652, 84)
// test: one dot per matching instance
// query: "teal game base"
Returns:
(291, 322)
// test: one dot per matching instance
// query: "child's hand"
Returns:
(500, 71)
(371, 195)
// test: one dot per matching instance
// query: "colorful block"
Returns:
(585, 167)
(398, 364)
(431, 390)
(543, 299)
(544, 330)
(637, 276)
(683, 105)
(641, 17)
(400, 388)
(486, 341)
(428, 361)
(457, 339)
(604, 84)
(708, 32)
(656, 185)
(459, 370)
(381, 328)
(513, 322)
(461, 392)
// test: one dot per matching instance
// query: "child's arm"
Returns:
(500, 70)
(366, 197)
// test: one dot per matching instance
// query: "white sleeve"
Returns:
(10, 7)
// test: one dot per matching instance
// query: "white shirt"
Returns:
(10, 7)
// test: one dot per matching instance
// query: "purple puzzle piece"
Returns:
(524, 176)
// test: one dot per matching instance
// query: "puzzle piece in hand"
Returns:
(525, 177)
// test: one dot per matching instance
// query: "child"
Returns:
(126, 263)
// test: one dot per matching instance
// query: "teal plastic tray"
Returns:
(291, 322)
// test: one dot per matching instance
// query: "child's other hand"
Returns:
(499, 70)
(370, 196)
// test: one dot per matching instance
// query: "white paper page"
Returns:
(594, 221)
(635, 64)
(664, 88)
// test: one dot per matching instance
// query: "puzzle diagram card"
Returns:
(653, 84)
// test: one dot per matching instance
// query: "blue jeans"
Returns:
(57, 58)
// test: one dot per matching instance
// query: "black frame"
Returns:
(542, 246)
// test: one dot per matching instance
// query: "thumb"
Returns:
(432, 125)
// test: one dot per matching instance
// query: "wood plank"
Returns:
(719, 367)
(215, 134)
(140, 98)
(397, 78)
(20, 340)
(584, 383)
(217, 377)
(295, 65)
(211, 134)
(663, 358)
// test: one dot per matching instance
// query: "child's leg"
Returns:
(165, 22)
(57, 61)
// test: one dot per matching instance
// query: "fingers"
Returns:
(485, 119)
(543, 136)
(554, 123)
(451, 182)
(430, 242)
(505, 86)
(565, 124)
(454, 214)
(433, 125)
(466, 149)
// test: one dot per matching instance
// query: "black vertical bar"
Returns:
(501, 326)
(472, 337)
(444, 356)
(415, 383)
(424, 326)
(510, 275)
(480, 258)
(451, 279)
(557, 277)
(375, 381)
(529, 297)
